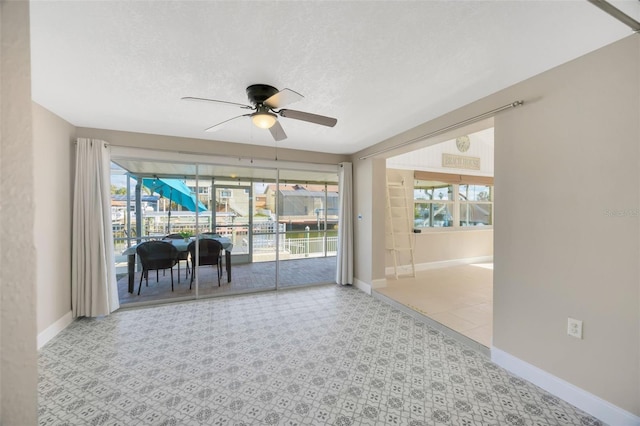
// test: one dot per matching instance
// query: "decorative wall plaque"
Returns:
(460, 162)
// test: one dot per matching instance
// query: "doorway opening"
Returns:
(450, 187)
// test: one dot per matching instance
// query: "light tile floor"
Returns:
(324, 355)
(459, 297)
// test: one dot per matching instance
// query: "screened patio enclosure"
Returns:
(279, 226)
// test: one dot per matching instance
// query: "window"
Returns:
(475, 205)
(443, 204)
(433, 206)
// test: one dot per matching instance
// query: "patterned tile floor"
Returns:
(324, 355)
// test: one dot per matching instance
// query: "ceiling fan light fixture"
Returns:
(267, 102)
(264, 120)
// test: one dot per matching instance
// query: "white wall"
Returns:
(18, 356)
(430, 158)
(53, 140)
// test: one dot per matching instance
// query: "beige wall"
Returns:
(201, 146)
(369, 197)
(363, 226)
(431, 247)
(18, 356)
(563, 160)
(53, 174)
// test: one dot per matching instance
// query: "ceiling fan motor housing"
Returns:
(258, 93)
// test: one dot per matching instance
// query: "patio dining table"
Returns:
(181, 245)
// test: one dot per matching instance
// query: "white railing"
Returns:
(312, 246)
(265, 244)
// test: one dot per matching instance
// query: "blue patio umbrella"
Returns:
(175, 191)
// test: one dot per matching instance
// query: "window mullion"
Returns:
(456, 206)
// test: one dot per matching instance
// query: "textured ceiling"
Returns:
(378, 67)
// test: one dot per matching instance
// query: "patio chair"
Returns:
(182, 255)
(209, 254)
(156, 255)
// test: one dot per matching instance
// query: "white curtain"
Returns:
(93, 276)
(344, 270)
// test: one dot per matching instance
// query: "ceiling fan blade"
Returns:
(307, 116)
(277, 132)
(191, 98)
(223, 123)
(283, 98)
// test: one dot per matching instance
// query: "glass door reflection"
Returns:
(273, 228)
(234, 219)
(154, 212)
(308, 215)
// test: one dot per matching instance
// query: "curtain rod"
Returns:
(239, 157)
(445, 129)
(617, 13)
(106, 144)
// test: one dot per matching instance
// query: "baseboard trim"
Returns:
(580, 398)
(362, 286)
(55, 328)
(404, 269)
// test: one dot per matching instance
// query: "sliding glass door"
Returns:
(277, 230)
(153, 216)
(232, 218)
(308, 215)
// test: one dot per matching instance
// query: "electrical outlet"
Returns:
(574, 328)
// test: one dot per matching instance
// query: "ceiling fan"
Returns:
(267, 102)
